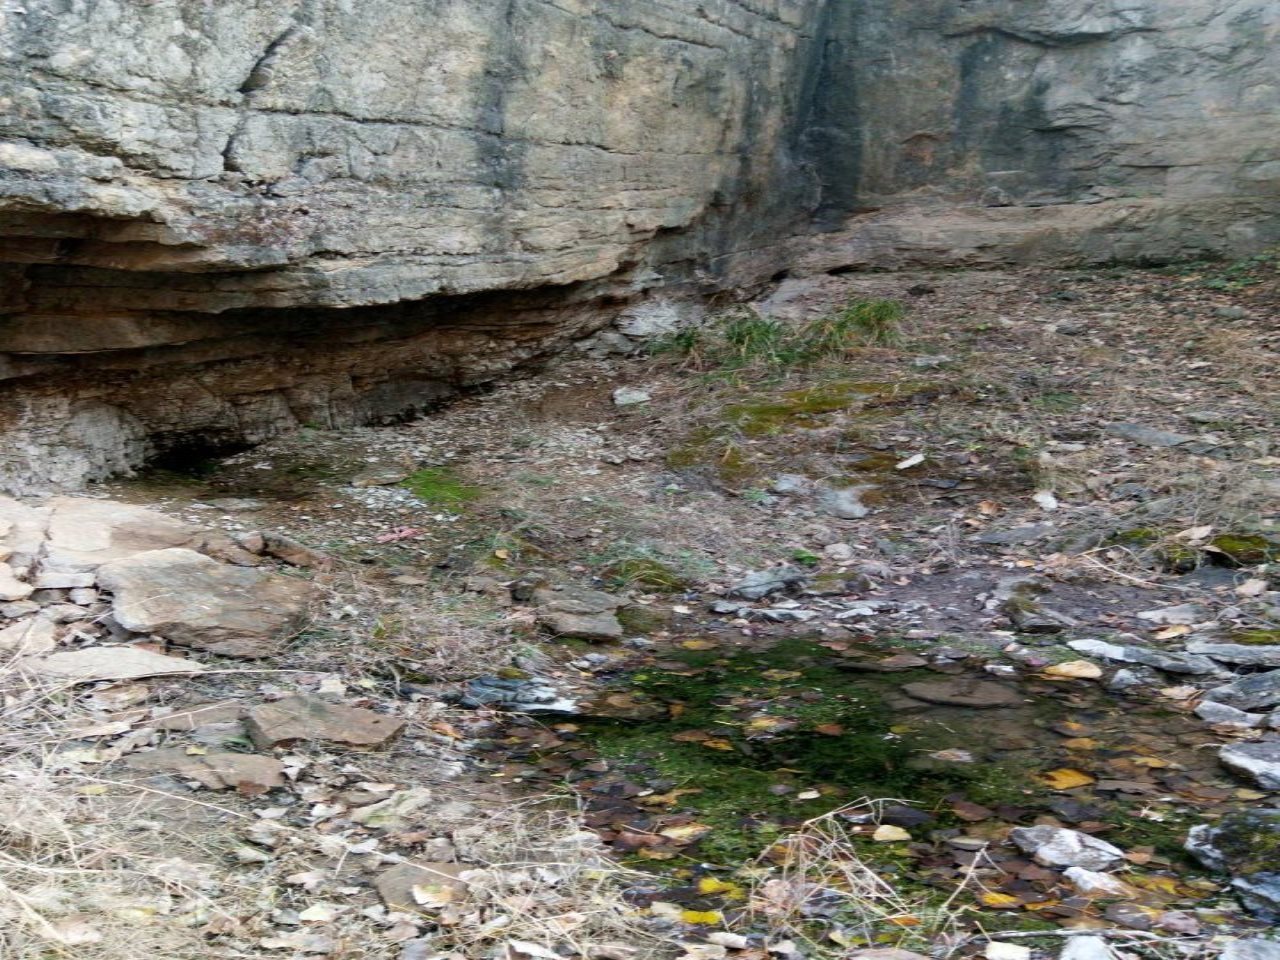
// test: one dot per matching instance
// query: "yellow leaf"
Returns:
(650, 854)
(502, 553)
(705, 917)
(999, 901)
(711, 886)
(1064, 778)
(699, 644)
(666, 799)
(1154, 763)
(780, 674)
(718, 743)
(1074, 669)
(1171, 631)
(686, 833)
(886, 833)
(904, 920)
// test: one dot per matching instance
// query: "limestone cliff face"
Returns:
(220, 220)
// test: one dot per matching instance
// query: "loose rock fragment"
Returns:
(412, 887)
(1259, 761)
(1249, 693)
(11, 588)
(247, 772)
(191, 600)
(579, 612)
(1060, 847)
(122, 662)
(303, 719)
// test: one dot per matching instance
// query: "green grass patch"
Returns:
(438, 485)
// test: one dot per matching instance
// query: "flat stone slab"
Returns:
(121, 662)
(1259, 761)
(189, 718)
(83, 534)
(1239, 653)
(302, 719)
(964, 692)
(248, 773)
(197, 602)
(1128, 653)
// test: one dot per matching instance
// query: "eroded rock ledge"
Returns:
(220, 221)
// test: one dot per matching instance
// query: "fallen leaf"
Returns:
(829, 729)
(699, 644)
(718, 743)
(1252, 588)
(781, 674)
(1171, 631)
(703, 917)
(912, 461)
(1064, 778)
(686, 832)
(1075, 669)
(999, 901)
(887, 833)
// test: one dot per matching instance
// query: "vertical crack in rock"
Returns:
(224, 220)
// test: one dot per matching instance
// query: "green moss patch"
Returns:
(439, 485)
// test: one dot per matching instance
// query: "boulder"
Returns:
(1060, 847)
(38, 634)
(765, 583)
(22, 532)
(192, 600)
(1237, 653)
(309, 719)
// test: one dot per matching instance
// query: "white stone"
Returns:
(11, 588)
(1091, 883)
(1060, 847)
(1087, 948)
(34, 635)
(630, 397)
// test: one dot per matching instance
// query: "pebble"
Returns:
(630, 397)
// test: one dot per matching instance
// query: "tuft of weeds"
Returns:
(743, 339)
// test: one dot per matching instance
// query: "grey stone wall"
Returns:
(224, 218)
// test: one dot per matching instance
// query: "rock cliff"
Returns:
(221, 220)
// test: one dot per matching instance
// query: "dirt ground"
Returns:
(1108, 437)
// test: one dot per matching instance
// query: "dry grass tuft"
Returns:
(813, 887)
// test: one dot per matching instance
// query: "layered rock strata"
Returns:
(220, 221)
